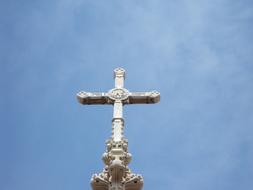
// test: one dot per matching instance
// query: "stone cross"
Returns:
(116, 174)
(118, 97)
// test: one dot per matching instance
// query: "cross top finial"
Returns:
(119, 72)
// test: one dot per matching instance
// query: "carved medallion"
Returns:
(118, 94)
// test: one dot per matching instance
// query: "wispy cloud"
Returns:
(198, 54)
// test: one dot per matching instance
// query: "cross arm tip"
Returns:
(155, 96)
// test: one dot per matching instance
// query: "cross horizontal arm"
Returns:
(143, 97)
(93, 98)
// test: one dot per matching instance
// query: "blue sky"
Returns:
(197, 53)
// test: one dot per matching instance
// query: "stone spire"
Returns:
(116, 175)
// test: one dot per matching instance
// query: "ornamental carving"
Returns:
(118, 94)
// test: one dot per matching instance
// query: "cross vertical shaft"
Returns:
(118, 121)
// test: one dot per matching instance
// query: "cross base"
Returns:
(116, 174)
